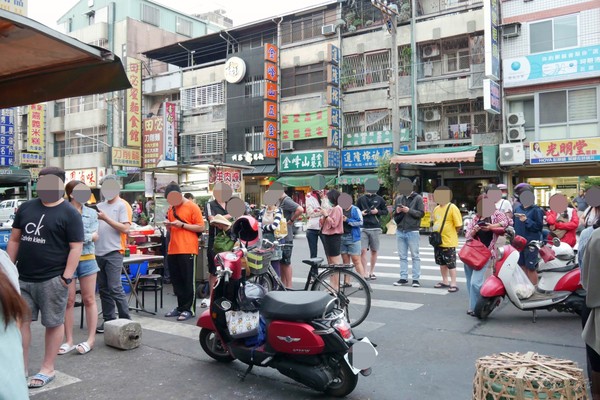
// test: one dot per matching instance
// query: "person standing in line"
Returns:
(114, 220)
(291, 211)
(313, 225)
(408, 211)
(185, 222)
(528, 222)
(562, 225)
(46, 243)
(353, 220)
(270, 219)
(503, 205)
(372, 207)
(580, 200)
(333, 228)
(445, 254)
(87, 269)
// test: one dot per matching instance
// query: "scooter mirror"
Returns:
(556, 242)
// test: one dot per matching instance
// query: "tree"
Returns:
(386, 173)
(589, 182)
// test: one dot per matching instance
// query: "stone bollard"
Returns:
(123, 334)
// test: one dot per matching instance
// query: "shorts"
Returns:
(332, 244)
(286, 254)
(369, 238)
(349, 246)
(445, 256)
(49, 297)
(529, 258)
(85, 268)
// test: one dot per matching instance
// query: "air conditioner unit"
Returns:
(432, 50)
(515, 119)
(286, 146)
(516, 133)
(511, 30)
(432, 136)
(432, 115)
(512, 154)
(327, 30)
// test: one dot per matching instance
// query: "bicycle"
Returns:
(353, 294)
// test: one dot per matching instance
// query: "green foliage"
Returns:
(386, 174)
(589, 182)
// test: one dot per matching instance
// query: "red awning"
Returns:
(435, 158)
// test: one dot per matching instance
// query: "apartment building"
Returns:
(551, 75)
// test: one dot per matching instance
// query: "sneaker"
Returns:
(416, 283)
(100, 328)
(401, 282)
(205, 303)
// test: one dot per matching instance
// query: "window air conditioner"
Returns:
(511, 30)
(286, 146)
(516, 133)
(512, 154)
(432, 136)
(515, 119)
(327, 30)
(432, 115)
(432, 50)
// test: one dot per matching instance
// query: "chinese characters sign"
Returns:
(134, 103)
(153, 141)
(333, 54)
(366, 138)
(271, 113)
(306, 160)
(35, 128)
(170, 131)
(492, 97)
(126, 157)
(491, 10)
(89, 176)
(31, 158)
(309, 125)
(248, 157)
(7, 138)
(565, 151)
(230, 176)
(14, 6)
(364, 158)
(581, 62)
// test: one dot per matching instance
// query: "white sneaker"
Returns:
(205, 303)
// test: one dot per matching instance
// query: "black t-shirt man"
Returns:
(45, 236)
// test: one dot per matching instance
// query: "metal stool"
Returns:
(151, 283)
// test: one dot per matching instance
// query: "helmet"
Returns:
(522, 187)
(245, 228)
(250, 296)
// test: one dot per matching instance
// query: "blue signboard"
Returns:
(334, 116)
(491, 16)
(582, 62)
(334, 54)
(364, 158)
(334, 138)
(333, 159)
(7, 139)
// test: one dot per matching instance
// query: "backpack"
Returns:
(282, 230)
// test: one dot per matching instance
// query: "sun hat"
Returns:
(219, 219)
(502, 186)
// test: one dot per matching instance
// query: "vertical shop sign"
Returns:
(170, 129)
(7, 138)
(491, 17)
(153, 146)
(133, 128)
(35, 128)
(271, 103)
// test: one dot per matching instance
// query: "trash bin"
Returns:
(202, 288)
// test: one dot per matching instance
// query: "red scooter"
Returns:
(301, 334)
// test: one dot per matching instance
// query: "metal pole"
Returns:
(413, 70)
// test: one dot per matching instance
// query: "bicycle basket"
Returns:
(259, 261)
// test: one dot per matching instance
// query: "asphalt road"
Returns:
(427, 345)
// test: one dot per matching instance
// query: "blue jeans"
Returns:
(312, 236)
(409, 240)
(474, 283)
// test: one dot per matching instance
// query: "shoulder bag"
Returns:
(180, 220)
(435, 238)
(475, 254)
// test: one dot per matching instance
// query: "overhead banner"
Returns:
(229, 176)
(308, 160)
(126, 157)
(309, 125)
(35, 128)
(133, 129)
(15, 6)
(565, 151)
(170, 132)
(153, 141)
(89, 176)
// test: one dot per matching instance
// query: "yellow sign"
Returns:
(126, 157)
(35, 128)
(15, 6)
(565, 151)
(134, 104)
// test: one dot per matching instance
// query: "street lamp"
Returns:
(108, 153)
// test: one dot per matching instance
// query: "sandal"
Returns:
(44, 379)
(453, 289)
(184, 316)
(372, 277)
(64, 349)
(173, 313)
(441, 285)
(84, 348)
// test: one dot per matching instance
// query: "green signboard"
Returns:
(302, 161)
(490, 157)
(121, 173)
(366, 138)
(309, 125)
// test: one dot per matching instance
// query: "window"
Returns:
(59, 109)
(91, 16)
(254, 86)
(84, 103)
(183, 27)
(303, 80)
(150, 14)
(368, 121)
(202, 96)
(456, 56)
(465, 119)
(254, 138)
(209, 143)
(59, 148)
(304, 27)
(553, 34)
(568, 106)
(365, 69)
(92, 143)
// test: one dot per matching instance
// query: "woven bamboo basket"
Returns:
(516, 376)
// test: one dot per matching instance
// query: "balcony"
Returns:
(167, 83)
(85, 119)
(441, 90)
(428, 7)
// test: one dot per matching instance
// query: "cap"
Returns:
(172, 187)
(502, 186)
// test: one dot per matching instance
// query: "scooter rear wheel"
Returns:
(485, 306)
(344, 382)
(211, 344)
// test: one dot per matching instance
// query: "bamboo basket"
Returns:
(516, 376)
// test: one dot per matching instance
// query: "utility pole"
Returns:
(390, 14)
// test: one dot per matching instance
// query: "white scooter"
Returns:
(559, 286)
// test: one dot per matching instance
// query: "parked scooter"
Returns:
(559, 287)
(301, 334)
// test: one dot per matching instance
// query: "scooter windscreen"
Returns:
(245, 228)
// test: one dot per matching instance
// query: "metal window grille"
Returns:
(377, 66)
(254, 86)
(183, 26)
(202, 96)
(353, 71)
(378, 120)
(210, 143)
(254, 138)
(354, 122)
(150, 14)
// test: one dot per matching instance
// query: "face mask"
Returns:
(505, 195)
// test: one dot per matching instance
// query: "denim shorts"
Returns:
(48, 297)
(85, 268)
(349, 246)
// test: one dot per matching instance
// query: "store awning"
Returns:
(437, 156)
(138, 186)
(261, 170)
(349, 179)
(40, 64)
(304, 180)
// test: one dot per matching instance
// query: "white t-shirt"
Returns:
(503, 205)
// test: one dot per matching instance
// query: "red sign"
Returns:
(271, 73)
(271, 53)
(270, 148)
(270, 91)
(270, 129)
(153, 141)
(270, 110)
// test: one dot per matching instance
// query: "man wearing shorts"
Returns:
(45, 243)
(291, 211)
(351, 246)
(372, 206)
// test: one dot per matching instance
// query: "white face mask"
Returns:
(505, 195)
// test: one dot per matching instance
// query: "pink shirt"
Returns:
(334, 223)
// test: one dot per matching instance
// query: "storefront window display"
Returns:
(546, 187)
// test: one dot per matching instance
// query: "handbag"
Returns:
(435, 238)
(242, 324)
(223, 242)
(475, 254)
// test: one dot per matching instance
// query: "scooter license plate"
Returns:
(361, 355)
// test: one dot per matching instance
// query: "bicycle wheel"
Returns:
(264, 280)
(353, 293)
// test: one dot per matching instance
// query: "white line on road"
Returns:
(423, 277)
(172, 328)
(397, 305)
(390, 288)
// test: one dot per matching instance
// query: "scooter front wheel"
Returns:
(485, 306)
(211, 344)
(344, 383)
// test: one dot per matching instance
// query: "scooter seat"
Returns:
(564, 268)
(313, 262)
(295, 306)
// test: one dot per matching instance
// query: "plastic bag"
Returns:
(524, 289)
